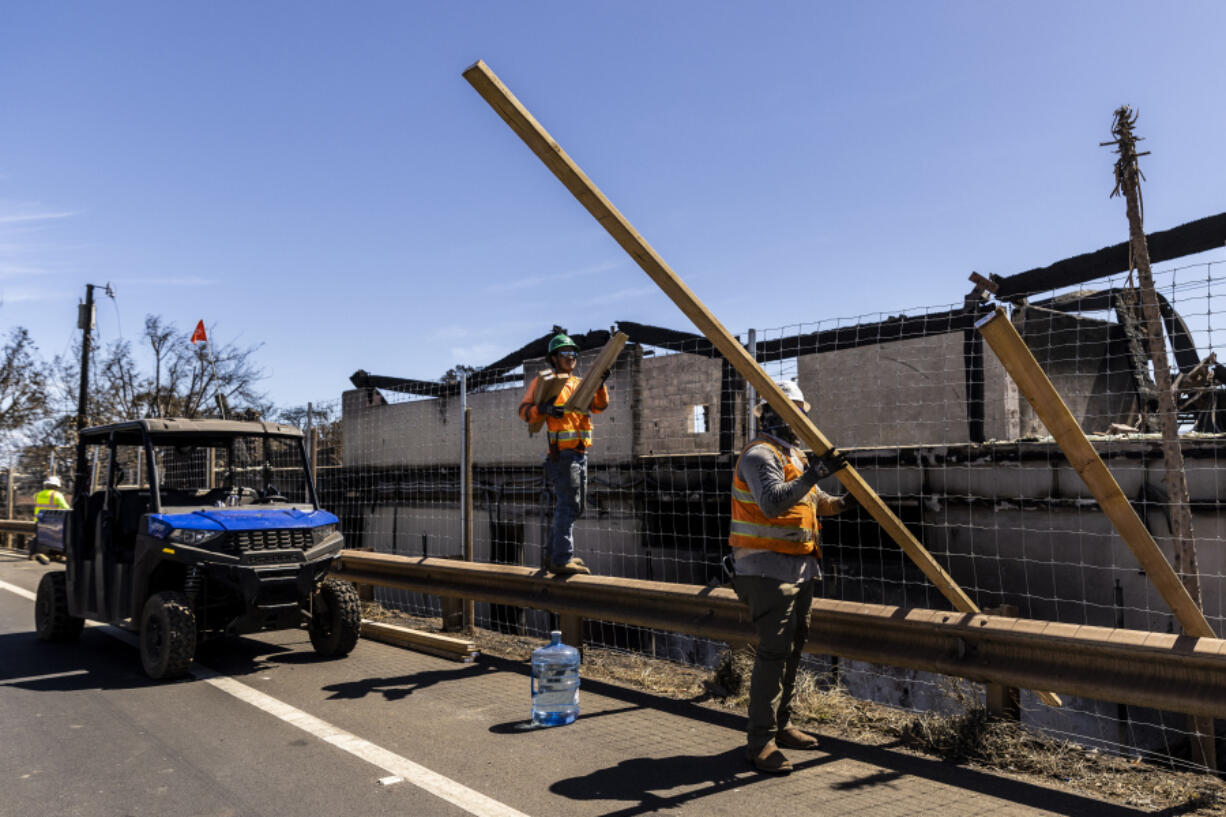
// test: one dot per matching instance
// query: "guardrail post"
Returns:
(453, 614)
(572, 630)
(1003, 702)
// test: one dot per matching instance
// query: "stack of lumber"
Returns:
(456, 649)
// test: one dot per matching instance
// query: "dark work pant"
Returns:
(780, 615)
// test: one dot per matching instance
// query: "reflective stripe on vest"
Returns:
(44, 500)
(574, 428)
(779, 533)
(794, 533)
(583, 435)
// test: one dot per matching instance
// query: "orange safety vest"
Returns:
(795, 532)
(574, 428)
(48, 499)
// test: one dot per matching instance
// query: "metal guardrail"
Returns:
(1159, 670)
(17, 526)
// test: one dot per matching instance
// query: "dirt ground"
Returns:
(971, 739)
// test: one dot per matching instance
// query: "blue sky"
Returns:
(319, 178)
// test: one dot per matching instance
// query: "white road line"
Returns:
(440, 786)
(20, 591)
(29, 679)
(443, 787)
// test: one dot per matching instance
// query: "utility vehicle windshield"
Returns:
(237, 471)
(211, 471)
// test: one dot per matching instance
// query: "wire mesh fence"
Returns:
(930, 419)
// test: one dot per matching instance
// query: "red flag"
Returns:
(199, 335)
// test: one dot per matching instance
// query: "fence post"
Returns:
(1003, 702)
(8, 537)
(751, 397)
(310, 440)
(458, 613)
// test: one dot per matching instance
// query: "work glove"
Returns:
(846, 502)
(549, 409)
(827, 464)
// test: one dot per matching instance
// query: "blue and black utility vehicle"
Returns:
(184, 530)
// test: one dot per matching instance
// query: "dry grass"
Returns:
(971, 738)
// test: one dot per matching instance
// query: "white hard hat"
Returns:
(791, 391)
(53, 482)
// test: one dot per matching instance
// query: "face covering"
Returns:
(773, 424)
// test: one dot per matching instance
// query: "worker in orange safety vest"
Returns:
(570, 436)
(775, 539)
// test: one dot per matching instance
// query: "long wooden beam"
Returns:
(1038, 390)
(500, 98)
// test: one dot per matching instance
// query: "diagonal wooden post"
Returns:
(1038, 390)
(564, 168)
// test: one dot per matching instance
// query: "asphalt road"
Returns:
(264, 727)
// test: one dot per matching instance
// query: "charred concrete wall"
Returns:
(909, 392)
(428, 431)
(1087, 361)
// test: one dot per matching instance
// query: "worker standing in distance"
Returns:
(774, 535)
(48, 498)
(570, 436)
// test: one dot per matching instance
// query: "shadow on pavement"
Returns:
(400, 687)
(637, 779)
(96, 661)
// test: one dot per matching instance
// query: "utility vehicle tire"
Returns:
(52, 620)
(336, 622)
(167, 635)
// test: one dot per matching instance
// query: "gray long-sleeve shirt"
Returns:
(762, 471)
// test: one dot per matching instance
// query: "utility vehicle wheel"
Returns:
(336, 620)
(52, 620)
(167, 635)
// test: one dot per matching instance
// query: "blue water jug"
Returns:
(555, 683)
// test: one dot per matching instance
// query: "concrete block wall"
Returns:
(1086, 360)
(670, 387)
(908, 392)
(428, 431)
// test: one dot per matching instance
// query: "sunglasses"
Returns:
(569, 355)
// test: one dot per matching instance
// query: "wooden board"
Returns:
(457, 649)
(1038, 390)
(500, 98)
(548, 386)
(582, 398)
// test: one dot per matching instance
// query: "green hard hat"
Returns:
(561, 341)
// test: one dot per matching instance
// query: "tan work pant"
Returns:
(780, 614)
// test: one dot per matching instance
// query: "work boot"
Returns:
(571, 567)
(769, 759)
(792, 738)
(42, 560)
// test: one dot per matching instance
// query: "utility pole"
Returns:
(1127, 181)
(85, 322)
(1128, 178)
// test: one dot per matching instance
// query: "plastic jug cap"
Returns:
(555, 637)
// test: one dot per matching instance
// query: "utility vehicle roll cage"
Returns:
(148, 433)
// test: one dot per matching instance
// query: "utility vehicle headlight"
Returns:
(193, 537)
(322, 532)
